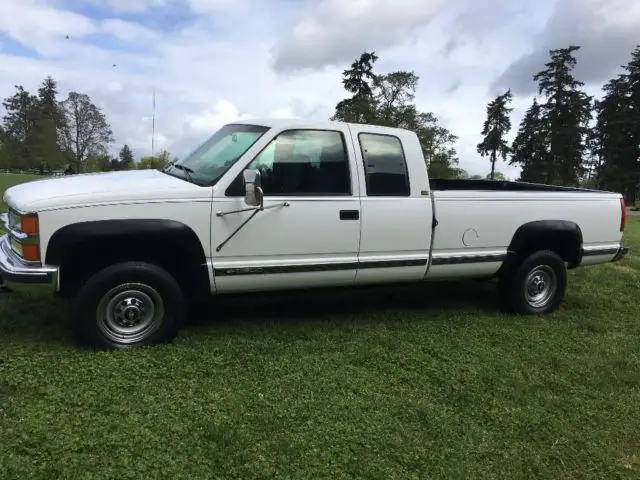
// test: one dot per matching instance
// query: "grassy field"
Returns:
(413, 382)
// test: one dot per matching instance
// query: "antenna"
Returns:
(153, 122)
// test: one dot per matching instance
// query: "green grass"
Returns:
(9, 179)
(413, 382)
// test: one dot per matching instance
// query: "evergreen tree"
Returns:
(19, 128)
(4, 155)
(496, 126)
(530, 147)
(616, 147)
(358, 80)
(48, 122)
(567, 112)
(126, 158)
(388, 100)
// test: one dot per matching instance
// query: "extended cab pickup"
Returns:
(275, 205)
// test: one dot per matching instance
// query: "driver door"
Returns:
(311, 235)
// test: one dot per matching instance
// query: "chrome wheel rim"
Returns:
(540, 286)
(130, 312)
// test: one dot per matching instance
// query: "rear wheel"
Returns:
(127, 305)
(536, 286)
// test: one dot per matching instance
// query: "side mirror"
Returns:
(253, 195)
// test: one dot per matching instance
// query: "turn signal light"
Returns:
(31, 252)
(29, 224)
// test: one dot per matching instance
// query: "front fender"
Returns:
(66, 238)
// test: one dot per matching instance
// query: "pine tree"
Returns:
(19, 128)
(617, 131)
(388, 100)
(48, 123)
(4, 154)
(358, 80)
(530, 147)
(496, 126)
(125, 158)
(567, 112)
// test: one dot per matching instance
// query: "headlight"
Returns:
(24, 237)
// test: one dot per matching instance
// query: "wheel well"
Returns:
(564, 244)
(561, 237)
(89, 255)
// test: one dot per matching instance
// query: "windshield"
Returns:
(207, 163)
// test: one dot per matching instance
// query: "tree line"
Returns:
(566, 137)
(42, 134)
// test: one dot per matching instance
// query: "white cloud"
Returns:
(128, 31)
(606, 31)
(126, 6)
(35, 23)
(210, 119)
(213, 6)
(333, 31)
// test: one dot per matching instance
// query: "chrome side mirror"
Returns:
(253, 194)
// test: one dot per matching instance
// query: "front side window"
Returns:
(384, 165)
(207, 163)
(304, 162)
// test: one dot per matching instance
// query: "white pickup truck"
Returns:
(275, 205)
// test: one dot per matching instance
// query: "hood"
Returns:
(108, 187)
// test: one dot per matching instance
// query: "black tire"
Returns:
(136, 289)
(544, 271)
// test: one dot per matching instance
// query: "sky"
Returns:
(215, 61)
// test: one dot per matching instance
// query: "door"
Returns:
(395, 204)
(309, 233)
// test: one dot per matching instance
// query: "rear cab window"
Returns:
(385, 165)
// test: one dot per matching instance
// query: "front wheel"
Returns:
(127, 305)
(538, 284)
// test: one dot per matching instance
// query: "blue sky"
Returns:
(213, 61)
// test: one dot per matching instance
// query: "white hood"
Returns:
(92, 188)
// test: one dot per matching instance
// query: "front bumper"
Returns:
(622, 251)
(14, 269)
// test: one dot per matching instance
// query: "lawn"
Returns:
(426, 381)
(9, 179)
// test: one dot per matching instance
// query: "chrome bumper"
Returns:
(622, 251)
(14, 269)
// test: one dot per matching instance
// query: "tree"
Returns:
(4, 155)
(358, 80)
(496, 126)
(48, 123)
(19, 128)
(86, 131)
(126, 158)
(98, 163)
(388, 100)
(566, 114)
(615, 142)
(156, 162)
(530, 147)
(496, 176)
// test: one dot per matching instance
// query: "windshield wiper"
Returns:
(187, 171)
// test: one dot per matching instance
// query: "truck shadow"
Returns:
(298, 305)
(30, 318)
